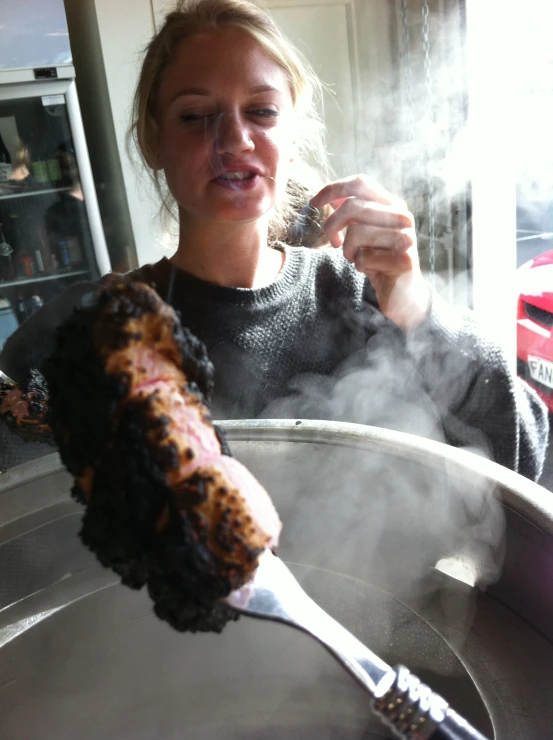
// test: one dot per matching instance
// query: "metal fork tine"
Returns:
(407, 706)
(275, 594)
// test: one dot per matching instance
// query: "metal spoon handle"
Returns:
(410, 708)
(415, 712)
(454, 727)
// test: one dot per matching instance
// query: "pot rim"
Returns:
(526, 498)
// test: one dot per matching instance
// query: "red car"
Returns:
(535, 325)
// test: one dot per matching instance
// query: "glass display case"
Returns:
(50, 230)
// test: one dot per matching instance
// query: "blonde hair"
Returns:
(192, 16)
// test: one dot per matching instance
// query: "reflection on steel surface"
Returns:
(488, 651)
(9, 633)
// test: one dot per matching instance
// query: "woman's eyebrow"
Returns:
(264, 88)
(205, 92)
(190, 91)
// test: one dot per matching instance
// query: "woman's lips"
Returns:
(239, 185)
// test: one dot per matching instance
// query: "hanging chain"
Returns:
(430, 133)
(407, 69)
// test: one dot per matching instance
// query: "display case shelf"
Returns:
(41, 278)
(29, 193)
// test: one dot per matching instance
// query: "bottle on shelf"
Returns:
(39, 262)
(39, 168)
(5, 249)
(64, 256)
(21, 306)
(6, 263)
(40, 171)
(33, 303)
(27, 266)
(54, 171)
(5, 162)
(75, 251)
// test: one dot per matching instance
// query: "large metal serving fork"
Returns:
(411, 709)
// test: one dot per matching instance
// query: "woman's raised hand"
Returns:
(377, 234)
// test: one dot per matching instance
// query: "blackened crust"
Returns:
(134, 526)
(131, 519)
(83, 399)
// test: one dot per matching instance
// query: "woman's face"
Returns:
(226, 127)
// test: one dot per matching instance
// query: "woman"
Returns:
(224, 121)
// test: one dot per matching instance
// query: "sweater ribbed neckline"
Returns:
(297, 263)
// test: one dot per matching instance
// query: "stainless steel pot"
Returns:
(368, 514)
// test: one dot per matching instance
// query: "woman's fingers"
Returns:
(361, 236)
(358, 186)
(385, 261)
(378, 235)
(368, 213)
(374, 227)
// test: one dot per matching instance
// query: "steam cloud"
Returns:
(378, 517)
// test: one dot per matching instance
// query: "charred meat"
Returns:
(166, 504)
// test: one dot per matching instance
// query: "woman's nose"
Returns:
(232, 134)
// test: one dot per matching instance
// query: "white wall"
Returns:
(315, 28)
(125, 26)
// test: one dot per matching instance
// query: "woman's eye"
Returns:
(194, 117)
(265, 112)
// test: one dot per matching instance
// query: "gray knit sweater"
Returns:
(314, 345)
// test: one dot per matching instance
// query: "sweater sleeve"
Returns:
(482, 404)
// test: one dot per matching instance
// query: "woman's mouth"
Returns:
(238, 180)
(238, 175)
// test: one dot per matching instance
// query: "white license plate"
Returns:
(541, 370)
